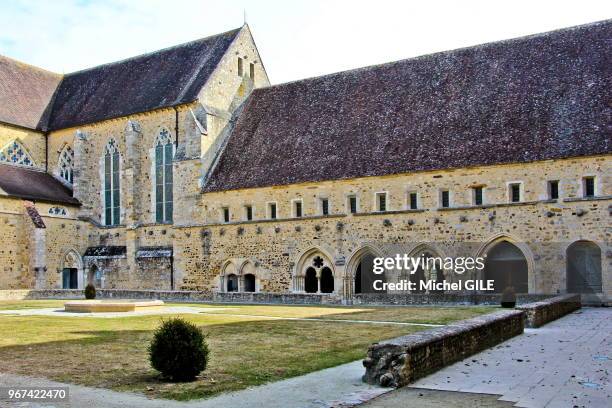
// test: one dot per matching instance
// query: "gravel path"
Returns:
(334, 387)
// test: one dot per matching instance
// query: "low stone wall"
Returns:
(176, 296)
(405, 299)
(539, 313)
(403, 360)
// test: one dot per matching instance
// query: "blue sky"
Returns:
(296, 39)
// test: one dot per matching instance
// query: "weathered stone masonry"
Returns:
(517, 114)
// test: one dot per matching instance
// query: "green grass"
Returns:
(245, 350)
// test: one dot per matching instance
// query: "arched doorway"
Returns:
(249, 282)
(584, 267)
(311, 284)
(506, 266)
(232, 283)
(327, 280)
(362, 267)
(72, 271)
(314, 272)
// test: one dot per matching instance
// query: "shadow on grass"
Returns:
(243, 354)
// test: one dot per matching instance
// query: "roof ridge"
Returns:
(16, 61)
(203, 59)
(146, 54)
(438, 53)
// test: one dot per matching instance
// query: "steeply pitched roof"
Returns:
(25, 93)
(160, 79)
(33, 185)
(540, 97)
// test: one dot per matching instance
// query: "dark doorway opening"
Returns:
(310, 281)
(232, 283)
(506, 265)
(249, 282)
(70, 278)
(327, 280)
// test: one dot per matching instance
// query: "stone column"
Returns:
(132, 173)
(37, 237)
(81, 186)
(132, 190)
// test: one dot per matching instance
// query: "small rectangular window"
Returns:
(515, 193)
(381, 202)
(445, 199)
(297, 209)
(352, 202)
(324, 206)
(226, 214)
(240, 67)
(477, 195)
(248, 212)
(252, 71)
(553, 189)
(589, 186)
(272, 211)
(413, 201)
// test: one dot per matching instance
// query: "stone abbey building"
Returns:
(183, 169)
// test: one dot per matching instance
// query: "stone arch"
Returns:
(525, 276)
(65, 164)
(430, 270)
(228, 279)
(14, 152)
(71, 268)
(249, 277)
(584, 267)
(353, 272)
(314, 259)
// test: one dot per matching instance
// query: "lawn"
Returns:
(246, 348)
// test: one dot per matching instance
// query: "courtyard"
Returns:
(250, 344)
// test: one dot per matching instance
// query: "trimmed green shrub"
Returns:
(90, 291)
(178, 350)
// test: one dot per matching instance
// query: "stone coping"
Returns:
(400, 361)
(542, 312)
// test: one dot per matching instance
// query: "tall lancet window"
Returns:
(112, 188)
(16, 153)
(66, 164)
(163, 177)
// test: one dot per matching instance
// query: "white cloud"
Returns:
(297, 39)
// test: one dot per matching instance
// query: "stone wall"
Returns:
(403, 360)
(542, 228)
(175, 296)
(385, 299)
(34, 257)
(539, 313)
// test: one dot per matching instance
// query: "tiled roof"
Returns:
(25, 93)
(160, 79)
(540, 97)
(37, 99)
(35, 185)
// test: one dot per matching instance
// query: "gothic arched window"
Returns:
(66, 164)
(163, 177)
(16, 153)
(112, 195)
